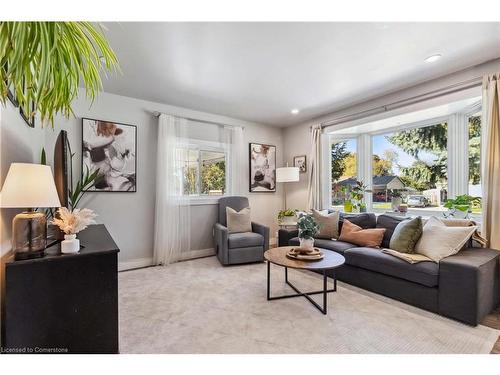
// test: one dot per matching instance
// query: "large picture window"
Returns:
(412, 165)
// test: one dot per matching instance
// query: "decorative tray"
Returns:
(302, 254)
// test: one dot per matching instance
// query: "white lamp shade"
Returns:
(287, 174)
(29, 186)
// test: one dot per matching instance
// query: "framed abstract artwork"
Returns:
(110, 147)
(262, 168)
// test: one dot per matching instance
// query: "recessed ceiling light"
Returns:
(294, 111)
(433, 58)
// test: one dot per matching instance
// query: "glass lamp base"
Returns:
(29, 235)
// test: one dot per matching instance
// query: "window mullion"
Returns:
(199, 172)
(458, 152)
(364, 165)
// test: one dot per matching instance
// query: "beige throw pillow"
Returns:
(238, 221)
(439, 241)
(328, 223)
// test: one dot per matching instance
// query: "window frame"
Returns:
(457, 140)
(208, 146)
(330, 141)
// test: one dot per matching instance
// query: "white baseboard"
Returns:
(135, 263)
(197, 253)
(146, 262)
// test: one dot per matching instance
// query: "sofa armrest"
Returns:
(469, 284)
(285, 235)
(262, 230)
(221, 246)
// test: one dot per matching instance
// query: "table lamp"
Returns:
(29, 186)
(287, 174)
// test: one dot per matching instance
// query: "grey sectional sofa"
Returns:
(465, 286)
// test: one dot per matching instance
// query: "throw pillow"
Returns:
(328, 223)
(439, 241)
(361, 237)
(406, 235)
(238, 221)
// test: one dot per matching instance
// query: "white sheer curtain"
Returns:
(234, 142)
(490, 228)
(315, 188)
(172, 215)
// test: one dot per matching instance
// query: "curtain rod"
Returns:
(157, 114)
(467, 84)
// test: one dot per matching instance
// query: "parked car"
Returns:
(417, 201)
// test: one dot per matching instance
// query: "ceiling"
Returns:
(260, 71)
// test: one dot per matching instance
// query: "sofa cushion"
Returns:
(335, 245)
(244, 239)
(353, 233)
(439, 241)
(328, 224)
(424, 273)
(389, 222)
(364, 220)
(406, 235)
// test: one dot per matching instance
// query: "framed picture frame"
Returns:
(301, 163)
(262, 168)
(110, 147)
(29, 119)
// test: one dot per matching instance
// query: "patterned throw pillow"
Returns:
(328, 223)
(361, 237)
(406, 235)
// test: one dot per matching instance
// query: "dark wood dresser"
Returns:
(63, 303)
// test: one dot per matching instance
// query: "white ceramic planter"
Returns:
(457, 214)
(70, 245)
(288, 219)
(306, 243)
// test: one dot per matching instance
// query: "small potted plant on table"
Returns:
(357, 196)
(396, 199)
(347, 200)
(287, 217)
(308, 228)
(72, 222)
(461, 206)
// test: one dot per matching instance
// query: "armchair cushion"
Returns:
(238, 221)
(236, 203)
(245, 239)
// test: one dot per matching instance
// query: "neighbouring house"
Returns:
(381, 187)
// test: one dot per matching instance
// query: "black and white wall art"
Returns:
(110, 147)
(301, 163)
(262, 166)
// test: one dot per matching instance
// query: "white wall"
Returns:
(130, 216)
(18, 143)
(297, 138)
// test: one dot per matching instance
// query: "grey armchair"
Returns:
(236, 248)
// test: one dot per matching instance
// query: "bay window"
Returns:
(418, 159)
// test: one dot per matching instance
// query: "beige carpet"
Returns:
(199, 306)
